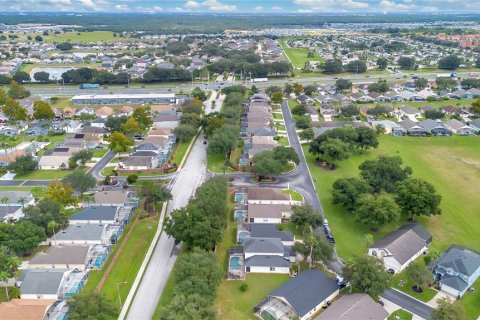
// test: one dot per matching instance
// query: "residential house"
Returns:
(459, 128)
(9, 155)
(268, 213)
(97, 214)
(301, 297)
(114, 198)
(139, 162)
(409, 113)
(305, 100)
(457, 269)
(51, 283)
(390, 127)
(26, 309)
(11, 213)
(263, 230)
(475, 125)
(399, 248)
(413, 128)
(104, 112)
(17, 198)
(53, 162)
(9, 131)
(166, 121)
(61, 257)
(87, 233)
(354, 306)
(266, 255)
(451, 110)
(435, 128)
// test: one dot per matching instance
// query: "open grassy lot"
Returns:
(74, 36)
(127, 264)
(451, 164)
(402, 282)
(400, 314)
(98, 153)
(298, 56)
(44, 175)
(295, 195)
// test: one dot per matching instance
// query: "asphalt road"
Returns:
(24, 183)
(408, 303)
(98, 167)
(160, 266)
(70, 90)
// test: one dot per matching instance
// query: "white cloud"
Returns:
(331, 5)
(393, 6)
(192, 4)
(276, 8)
(258, 8)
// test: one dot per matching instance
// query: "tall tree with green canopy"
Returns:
(81, 181)
(366, 274)
(23, 237)
(305, 216)
(143, 117)
(14, 111)
(346, 191)
(448, 310)
(417, 197)
(91, 306)
(331, 151)
(23, 165)
(153, 193)
(315, 247)
(119, 143)
(384, 172)
(366, 138)
(42, 110)
(16, 91)
(185, 307)
(377, 210)
(420, 275)
(9, 264)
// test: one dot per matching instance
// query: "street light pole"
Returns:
(119, 297)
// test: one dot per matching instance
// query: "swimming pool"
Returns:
(240, 197)
(240, 215)
(234, 263)
(242, 235)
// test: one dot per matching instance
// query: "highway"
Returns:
(71, 90)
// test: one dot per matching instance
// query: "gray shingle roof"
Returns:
(460, 259)
(263, 245)
(81, 232)
(41, 281)
(95, 213)
(267, 261)
(354, 306)
(269, 230)
(307, 290)
(74, 254)
(403, 243)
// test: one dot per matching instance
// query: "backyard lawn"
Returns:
(127, 264)
(451, 164)
(298, 56)
(400, 315)
(44, 175)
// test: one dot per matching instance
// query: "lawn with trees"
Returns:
(444, 163)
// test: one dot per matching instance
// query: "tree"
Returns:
(191, 119)
(38, 38)
(199, 94)
(299, 110)
(349, 111)
(305, 216)
(61, 193)
(406, 63)
(303, 122)
(192, 106)
(417, 197)
(287, 89)
(367, 274)
(381, 86)
(382, 63)
(80, 181)
(14, 111)
(9, 264)
(23, 237)
(42, 110)
(272, 89)
(315, 247)
(266, 164)
(23, 165)
(91, 306)
(184, 132)
(115, 123)
(119, 143)
(475, 107)
(80, 157)
(16, 91)
(420, 275)
(346, 191)
(64, 46)
(357, 66)
(366, 138)
(44, 212)
(143, 118)
(306, 134)
(331, 151)
(446, 83)
(377, 210)
(383, 172)
(434, 114)
(185, 307)
(450, 62)
(153, 193)
(132, 178)
(3, 96)
(310, 89)
(277, 97)
(223, 140)
(297, 88)
(421, 83)
(131, 127)
(332, 66)
(41, 76)
(343, 85)
(448, 310)
(21, 76)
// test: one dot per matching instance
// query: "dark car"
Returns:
(330, 238)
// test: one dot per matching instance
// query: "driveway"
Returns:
(408, 303)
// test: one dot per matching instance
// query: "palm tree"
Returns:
(368, 238)
(89, 198)
(52, 225)
(5, 201)
(4, 276)
(22, 201)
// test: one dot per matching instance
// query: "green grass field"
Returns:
(298, 56)
(128, 263)
(80, 37)
(400, 315)
(44, 175)
(98, 153)
(451, 164)
(180, 151)
(295, 195)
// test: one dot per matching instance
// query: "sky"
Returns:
(244, 6)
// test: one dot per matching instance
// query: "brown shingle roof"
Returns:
(257, 193)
